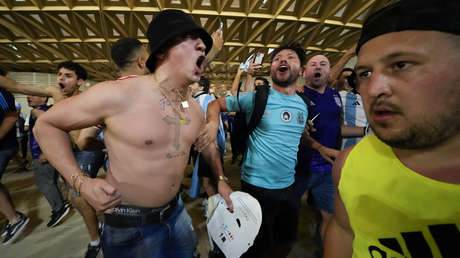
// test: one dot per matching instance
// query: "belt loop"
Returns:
(163, 211)
(143, 220)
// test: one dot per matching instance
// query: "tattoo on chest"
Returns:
(176, 122)
(163, 103)
(175, 155)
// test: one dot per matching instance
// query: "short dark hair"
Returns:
(259, 78)
(77, 68)
(194, 34)
(3, 73)
(203, 82)
(123, 50)
(294, 46)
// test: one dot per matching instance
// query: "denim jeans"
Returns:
(174, 238)
(90, 162)
(320, 186)
(46, 179)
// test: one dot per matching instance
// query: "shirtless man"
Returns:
(151, 122)
(69, 78)
(130, 56)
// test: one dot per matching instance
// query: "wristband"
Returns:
(224, 178)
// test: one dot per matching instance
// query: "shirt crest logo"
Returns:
(286, 116)
(300, 118)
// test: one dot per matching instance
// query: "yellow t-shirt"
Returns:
(395, 212)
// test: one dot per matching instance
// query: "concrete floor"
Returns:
(70, 238)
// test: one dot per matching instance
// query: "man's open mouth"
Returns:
(200, 61)
(317, 75)
(283, 68)
(61, 85)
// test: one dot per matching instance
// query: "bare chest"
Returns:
(157, 125)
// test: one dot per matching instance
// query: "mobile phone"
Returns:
(258, 58)
(221, 26)
(313, 119)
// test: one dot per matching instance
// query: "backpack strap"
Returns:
(260, 101)
(305, 99)
(201, 93)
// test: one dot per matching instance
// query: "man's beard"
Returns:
(284, 84)
(427, 133)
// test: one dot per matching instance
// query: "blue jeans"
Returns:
(320, 186)
(174, 238)
(5, 156)
(90, 162)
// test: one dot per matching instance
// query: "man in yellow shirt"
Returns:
(398, 191)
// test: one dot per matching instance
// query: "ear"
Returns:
(304, 72)
(301, 70)
(80, 82)
(140, 62)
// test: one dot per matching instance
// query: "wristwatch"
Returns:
(224, 178)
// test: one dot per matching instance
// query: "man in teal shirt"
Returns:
(268, 168)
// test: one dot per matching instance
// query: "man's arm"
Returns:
(8, 122)
(211, 155)
(338, 240)
(81, 111)
(209, 133)
(87, 139)
(236, 81)
(353, 131)
(328, 154)
(249, 84)
(217, 43)
(15, 87)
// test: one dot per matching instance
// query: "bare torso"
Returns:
(147, 145)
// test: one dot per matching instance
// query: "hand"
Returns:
(42, 159)
(100, 194)
(207, 136)
(225, 190)
(217, 39)
(328, 154)
(254, 67)
(309, 127)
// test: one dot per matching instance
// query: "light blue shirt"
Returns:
(272, 147)
(353, 112)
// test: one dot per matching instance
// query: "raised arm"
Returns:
(249, 84)
(236, 81)
(15, 87)
(217, 44)
(339, 235)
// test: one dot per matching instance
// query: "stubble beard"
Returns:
(427, 133)
(284, 84)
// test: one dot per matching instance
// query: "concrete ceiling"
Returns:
(35, 35)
